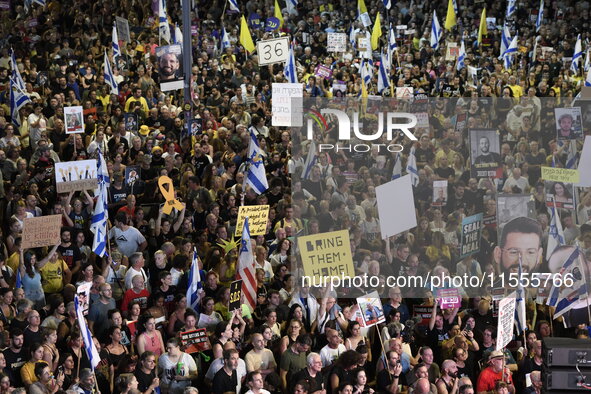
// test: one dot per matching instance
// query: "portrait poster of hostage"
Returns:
(484, 154)
(170, 67)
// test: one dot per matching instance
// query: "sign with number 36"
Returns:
(275, 50)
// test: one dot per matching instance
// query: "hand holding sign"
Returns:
(168, 193)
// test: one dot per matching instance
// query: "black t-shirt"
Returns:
(14, 362)
(223, 383)
(316, 383)
(144, 380)
(385, 379)
(70, 254)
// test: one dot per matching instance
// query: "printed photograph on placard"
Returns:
(485, 153)
(561, 192)
(170, 67)
(74, 120)
(569, 123)
(131, 122)
(195, 126)
(439, 193)
(510, 206)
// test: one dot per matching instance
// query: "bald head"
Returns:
(422, 386)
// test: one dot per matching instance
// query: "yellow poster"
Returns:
(326, 254)
(257, 219)
(560, 175)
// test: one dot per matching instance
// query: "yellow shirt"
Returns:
(52, 276)
(142, 101)
(28, 372)
(517, 91)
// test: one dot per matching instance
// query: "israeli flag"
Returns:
(571, 158)
(436, 31)
(461, 57)
(511, 8)
(256, 176)
(505, 39)
(366, 70)
(109, 78)
(577, 55)
(178, 35)
(384, 74)
(16, 75)
(234, 5)
(392, 45)
(18, 99)
(388, 4)
(509, 53)
(194, 283)
(98, 222)
(540, 17)
(115, 44)
(225, 39)
(411, 167)
(290, 71)
(163, 26)
(291, 6)
(555, 233)
(397, 169)
(91, 352)
(588, 79)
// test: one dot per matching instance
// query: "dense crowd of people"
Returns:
(295, 339)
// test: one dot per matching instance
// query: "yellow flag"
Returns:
(482, 30)
(245, 37)
(450, 18)
(376, 33)
(361, 6)
(363, 90)
(278, 14)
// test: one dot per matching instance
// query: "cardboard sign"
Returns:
(195, 341)
(452, 51)
(287, 104)
(235, 295)
(336, 42)
(396, 206)
(371, 309)
(471, 233)
(564, 175)
(83, 292)
(41, 231)
(449, 298)
(75, 175)
(123, 29)
(275, 50)
(326, 254)
(74, 120)
(323, 72)
(363, 44)
(258, 215)
(424, 312)
(168, 193)
(506, 319)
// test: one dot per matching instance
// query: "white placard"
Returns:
(287, 101)
(275, 50)
(365, 19)
(506, 320)
(123, 29)
(404, 92)
(396, 206)
(585, 164)
(336, 42)
(74, 120)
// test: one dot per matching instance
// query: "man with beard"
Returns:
(448, 382)
(523, 236)
(15, 357)
(168, 67)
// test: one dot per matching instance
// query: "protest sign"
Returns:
(323, 72)
(75, 175)
(439, 193)
(41, 231)
(424, 312)
(560, 174)
(287, 104)
(83, 292)
(471, 232)
(326, 254)
(449, 298)
(452, 52)
(396, 206)
(170, 67)
(168, 193)
(195, 341)
(74, 120)
(506, 319)
(336, 42)
(485, 153)
(123, 29)
(404, 92)
(258, 216)
(235, 295)
(275, 50)
(371, 309)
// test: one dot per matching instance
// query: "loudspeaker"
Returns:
(567, 352)
(565, 379)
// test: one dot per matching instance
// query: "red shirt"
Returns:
(141, 297)
(487, 379)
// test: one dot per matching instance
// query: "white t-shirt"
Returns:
(329, 355)
(170, 370)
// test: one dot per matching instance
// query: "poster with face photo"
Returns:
(73, 120)
(170, 67)
(510, 206)
(562, 194)
(569, 123)
(439, 193)
(485, 155)
(131, 122)
(196, 126)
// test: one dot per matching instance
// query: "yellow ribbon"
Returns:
(168, 194)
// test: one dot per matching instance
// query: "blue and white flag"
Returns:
(290, 70)
(163, 26)
(555, 233)
(109, 77)
(100, 216)
(233, 5)
(588, 79)
(246, 268)
(194, 283)
(18, 99)
(102, 172)
(310, 162)
(505, 39)
(387, 4)
(392, 45)
(397, 168)
(352, 34)
(563, 297)
(178, 35)
(366, 71)
(16, 75)
(225, 39)
(291, 6)
(587, 61)
(256, 176)
(577, 56)
(511, 8)
(384, 73)
(436, 31)
(461, 57)
(115, 43)
(510, 53)
(520, 301)
(540, 17)
(571, 158)
(411, 167)
(91, 352)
